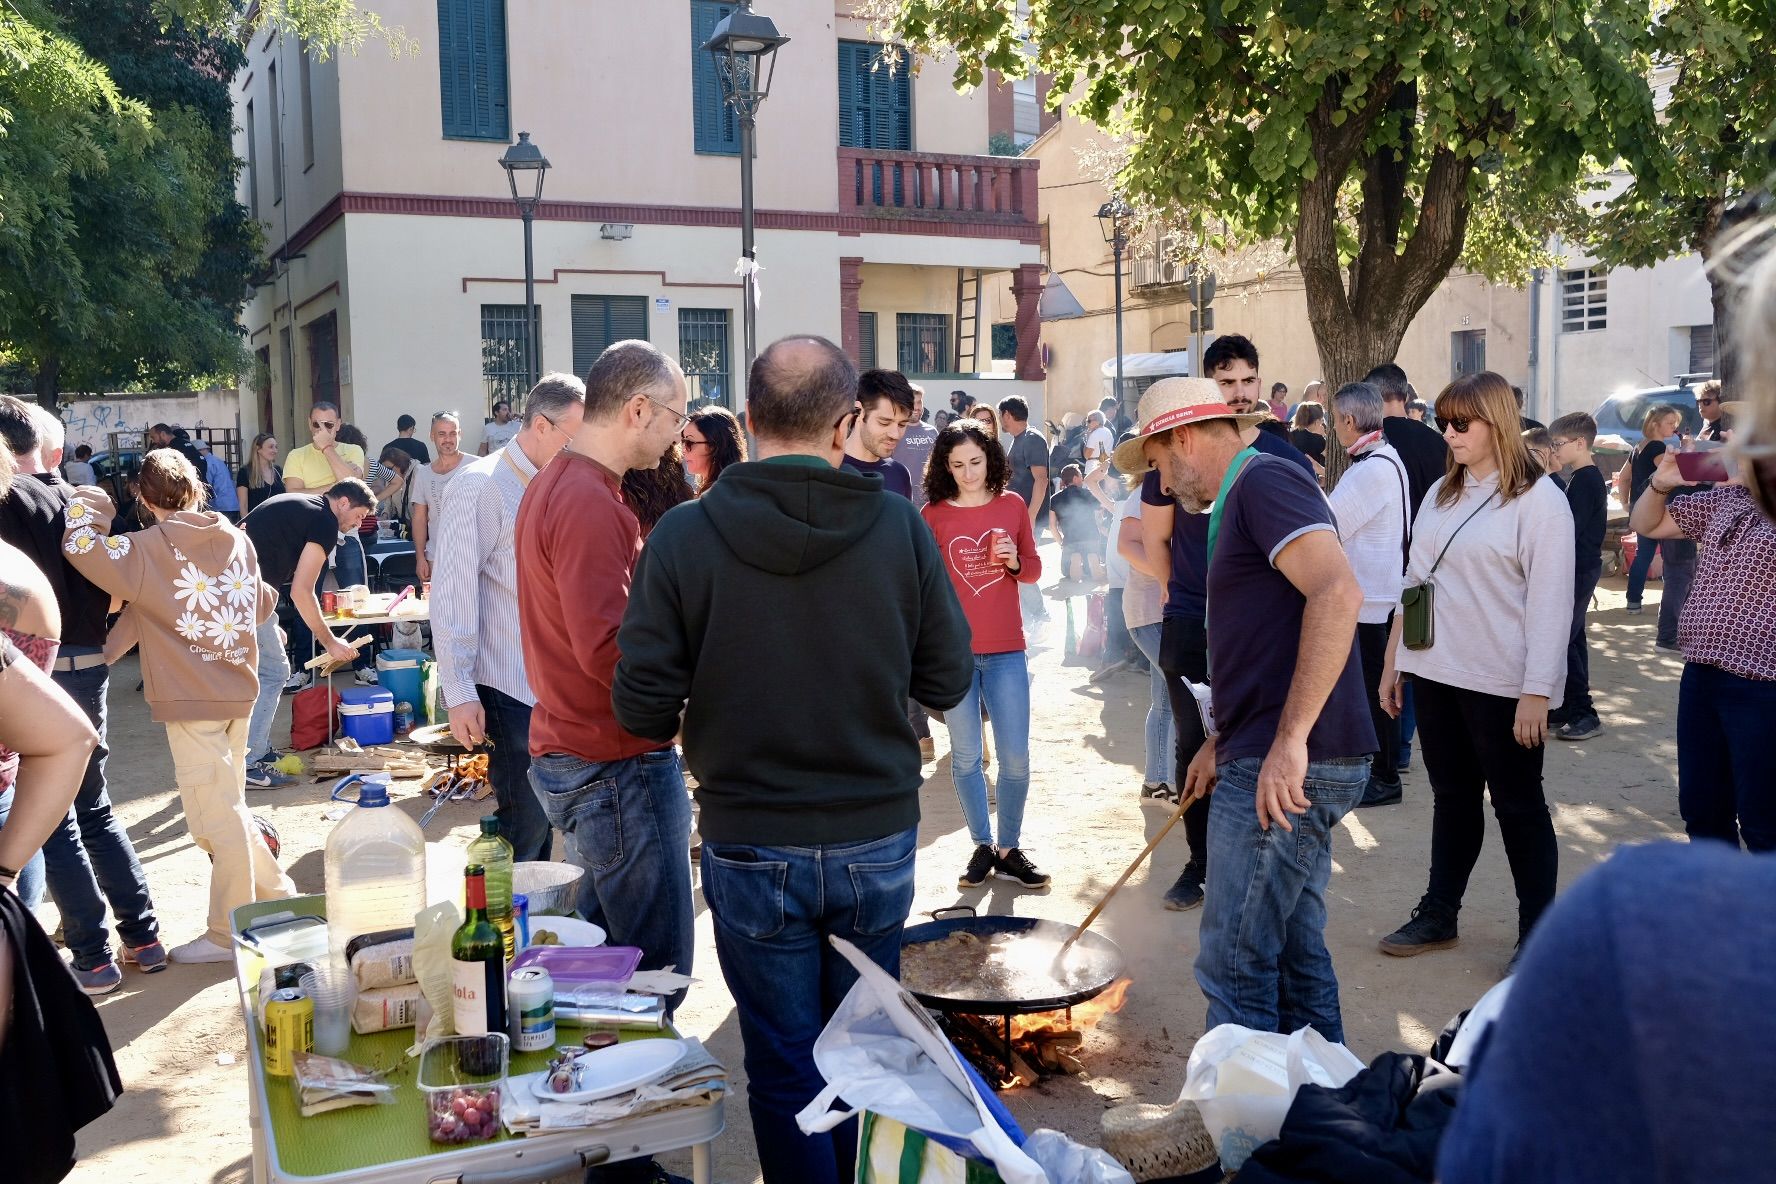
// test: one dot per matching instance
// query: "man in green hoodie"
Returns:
(787, 615)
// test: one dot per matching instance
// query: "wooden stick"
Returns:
(322, 658)
(1183, 804)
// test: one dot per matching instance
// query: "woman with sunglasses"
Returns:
(712, 441)
(1493, 542)
(1661, 422)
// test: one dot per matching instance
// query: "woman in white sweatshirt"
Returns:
(1494, 543)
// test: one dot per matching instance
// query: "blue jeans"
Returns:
(1003, 680)
(628, 823)
(1680, 572)
(1726, 786)
(522, 821)
(29, 884)
(774, 908)
(91, 851)
(1160, 740)
(274, 672)
(1264, 962)
(1408, 722)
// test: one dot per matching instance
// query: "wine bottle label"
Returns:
(478, 991)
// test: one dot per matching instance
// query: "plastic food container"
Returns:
(575, 966)
(463, 1078)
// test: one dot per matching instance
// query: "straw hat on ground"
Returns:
(1161, 1144)
(1175, 403)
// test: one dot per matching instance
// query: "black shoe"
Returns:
(1583, 728)
(1015, 866)
(1432, 928)
(979, 868)
(1378, 794)
(1187, 892)
(1159, 793)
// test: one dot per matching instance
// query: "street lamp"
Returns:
(1114, 217)
(744, 46)
(525, 165)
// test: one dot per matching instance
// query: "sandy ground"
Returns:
(180, 1044)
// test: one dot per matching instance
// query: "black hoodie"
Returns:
(795, 608)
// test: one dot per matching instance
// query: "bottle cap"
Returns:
(490, 825)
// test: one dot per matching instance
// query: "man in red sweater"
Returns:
(620, 799)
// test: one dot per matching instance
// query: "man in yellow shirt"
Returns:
(322, 464)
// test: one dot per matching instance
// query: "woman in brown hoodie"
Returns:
(195, 600)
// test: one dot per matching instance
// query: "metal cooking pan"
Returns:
(437, 740)
(1104, 960)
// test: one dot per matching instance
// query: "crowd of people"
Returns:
(615, 576)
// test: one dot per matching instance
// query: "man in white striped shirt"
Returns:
(475, 606)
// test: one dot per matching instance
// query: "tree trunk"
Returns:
(48, 384)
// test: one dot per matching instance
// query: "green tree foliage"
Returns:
(1712, 145)
(1382, 138)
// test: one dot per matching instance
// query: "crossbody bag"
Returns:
(1418, 625)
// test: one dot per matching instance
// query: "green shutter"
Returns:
(875, 105)
(472, 69)
(600, 320)
(716, 128)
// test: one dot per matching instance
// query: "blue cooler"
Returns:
(367, 715)
(403, 673)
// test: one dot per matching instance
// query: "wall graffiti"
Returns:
(91, 421)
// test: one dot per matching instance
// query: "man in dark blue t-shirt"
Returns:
(887, 401)
(1293, 731)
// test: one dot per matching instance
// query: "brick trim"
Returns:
(558, 272)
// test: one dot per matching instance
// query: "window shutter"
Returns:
(875, 105)
(853, 84)
(717, 130)
(600, 320)
(472, 69)
(493, 123)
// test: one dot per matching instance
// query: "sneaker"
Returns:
(200, 950)
(263, 776)
(1159, 793)
(1432, 928)
(299, 682)
(1378, 794)
(1583, 728)
(1633, 609)
(365, 677)
(1187, 892)
(100, 980)
(1015, 866)
(149, 959)
(980, 866)
(1665, 645)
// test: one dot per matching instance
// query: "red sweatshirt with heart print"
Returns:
(987, 590)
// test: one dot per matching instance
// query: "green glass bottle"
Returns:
(492, 852)
(478, 963)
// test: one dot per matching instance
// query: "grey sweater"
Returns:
(1504, 592)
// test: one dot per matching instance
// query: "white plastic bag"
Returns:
(1067, 1162)
(881, 1052)
(1243, 1082)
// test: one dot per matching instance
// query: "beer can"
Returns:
(329, 603)
(530, 1002)
(289, 1029)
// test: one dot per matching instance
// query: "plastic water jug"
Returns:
(375, 865)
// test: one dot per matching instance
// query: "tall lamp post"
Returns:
(1114, 217)
(525, 165)
(744, 46)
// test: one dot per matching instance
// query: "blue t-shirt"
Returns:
(1190, 534)
(1255, 620)
(894, 475)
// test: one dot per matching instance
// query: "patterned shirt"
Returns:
(1729, 620)
(475, 580)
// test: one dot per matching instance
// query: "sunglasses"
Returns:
(1707, 402)
(1461, 424)
(690, 443)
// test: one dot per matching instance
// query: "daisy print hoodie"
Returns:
(194, 600)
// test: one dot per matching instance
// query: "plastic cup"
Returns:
(331, 990)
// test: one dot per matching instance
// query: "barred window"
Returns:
(502, 353)
(1584, 299)
(922, 342)
(703, 356)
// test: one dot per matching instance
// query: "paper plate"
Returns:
(571, 930)
(614, 1070)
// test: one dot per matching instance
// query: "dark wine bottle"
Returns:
(478, 963)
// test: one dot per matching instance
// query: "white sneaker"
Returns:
(201, 950)
(365, 677)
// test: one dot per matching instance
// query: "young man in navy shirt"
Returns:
(887, 400)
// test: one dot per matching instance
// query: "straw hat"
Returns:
(1173, 403)
(1161, 1144)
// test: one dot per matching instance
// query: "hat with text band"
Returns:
(1176, 403)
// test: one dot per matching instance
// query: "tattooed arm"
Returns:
(27, 603)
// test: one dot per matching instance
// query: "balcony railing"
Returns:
(993, 189)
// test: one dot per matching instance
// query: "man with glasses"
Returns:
(427, 490)
(1716, 424)
(323, 462)
(475, 623)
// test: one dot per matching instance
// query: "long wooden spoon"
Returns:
(1183, 804)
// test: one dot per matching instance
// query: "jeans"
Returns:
(1680, 572)
(1577, 702)
(628, 824)
(1160, 743)
(1003, 682)
(29, 884)
(350, 567)
(274, 672)
(1372, 641)
(1118, 645)
(1030, 604)
(774, 908)
(522, 822)
(1184, 653)
(1263, 961)
(1726, 783)
(90, 852)
(1469, 751)
(1408, 721)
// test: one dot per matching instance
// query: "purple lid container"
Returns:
(582, 965)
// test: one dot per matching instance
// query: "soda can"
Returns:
(329, 603)
(530, 1002)
(289, 1029)
(521, 918)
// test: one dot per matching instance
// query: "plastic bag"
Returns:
(1067, 1162)
(432, 930)
(881, 1052)
(1243, 1082)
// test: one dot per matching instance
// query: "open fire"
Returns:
(1040, 1044)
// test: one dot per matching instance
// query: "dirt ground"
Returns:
(181, 1048)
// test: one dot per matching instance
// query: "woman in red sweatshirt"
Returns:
(984, 534)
